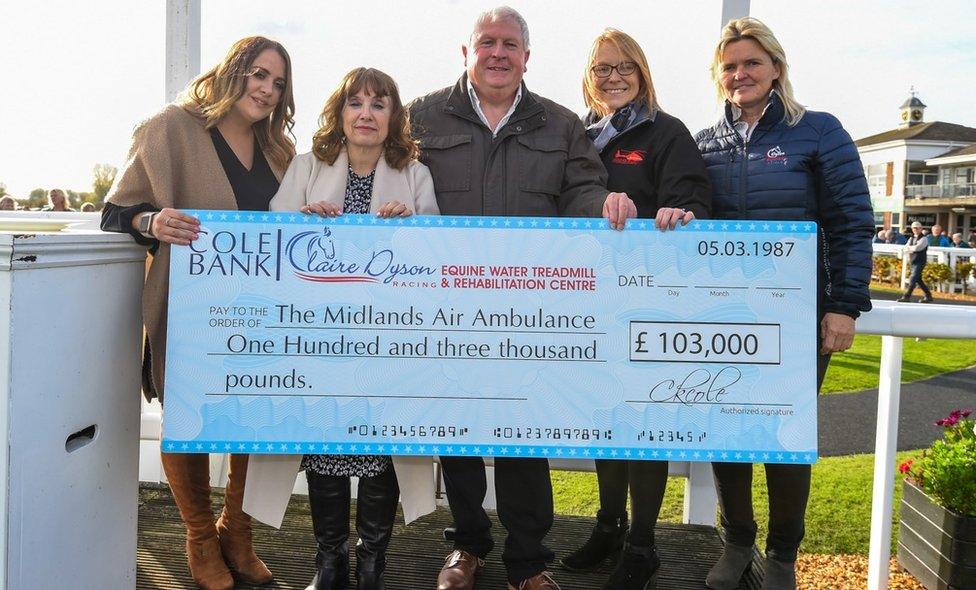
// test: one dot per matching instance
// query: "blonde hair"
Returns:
(751, 28)
(631, 50)
(399, 148)
(214, 93)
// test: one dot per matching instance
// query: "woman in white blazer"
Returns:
(363, 160)
(363, 141)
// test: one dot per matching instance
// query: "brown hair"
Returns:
(400, 147)
(630, 49)
(214, 93)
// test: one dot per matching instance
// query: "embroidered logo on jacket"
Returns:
(776, 154)
(631, 157)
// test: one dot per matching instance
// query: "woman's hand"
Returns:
(173, 227)
(323, 208)
(393, 209)
(836, 332)
(668, 218)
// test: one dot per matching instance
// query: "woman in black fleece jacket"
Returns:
(652, 157)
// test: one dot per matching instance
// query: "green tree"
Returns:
(3, 190)
(104, 176)
(36, 199)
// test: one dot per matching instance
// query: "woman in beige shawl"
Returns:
(222, 145)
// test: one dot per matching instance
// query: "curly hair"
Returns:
(214, 93)
(400, 147)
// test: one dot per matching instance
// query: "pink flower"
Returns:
(906, 466)
(953, 418)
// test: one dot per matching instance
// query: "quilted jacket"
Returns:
(808, 172)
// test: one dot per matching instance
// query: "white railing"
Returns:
(949, 256)
(894, 321)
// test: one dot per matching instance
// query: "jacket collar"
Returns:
(459, 103)
(773, 114)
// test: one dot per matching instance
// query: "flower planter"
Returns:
(935, 545)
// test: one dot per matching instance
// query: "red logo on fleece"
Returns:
(631, 157)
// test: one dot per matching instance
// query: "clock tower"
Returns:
(912, 111)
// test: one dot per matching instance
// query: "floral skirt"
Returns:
(347, 465)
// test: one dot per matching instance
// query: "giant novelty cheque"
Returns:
(494, 336)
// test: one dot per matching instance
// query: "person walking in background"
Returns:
(221, 145)
(363, 160)
(494, 148)
(770, 158)
(650, 156)
(918, 246)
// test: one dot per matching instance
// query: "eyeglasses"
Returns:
(625, 68)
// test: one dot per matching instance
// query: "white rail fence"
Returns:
(892, 321)
(949, 256)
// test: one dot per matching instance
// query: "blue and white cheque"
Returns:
(493, 336)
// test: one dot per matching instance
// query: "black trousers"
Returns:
(647, 481)
(916, 280)
(789, 490)
(524, 493)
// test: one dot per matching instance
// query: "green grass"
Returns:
(858, 367)
(838, 514)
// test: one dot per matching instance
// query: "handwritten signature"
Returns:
(699, 386)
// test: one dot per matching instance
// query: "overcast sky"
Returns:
(82, 74)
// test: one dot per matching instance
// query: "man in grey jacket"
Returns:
(494, 148)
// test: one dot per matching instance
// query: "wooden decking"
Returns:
(416, 552)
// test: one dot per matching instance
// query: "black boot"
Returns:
(328, 497)
(376, 505)
(635, 570)
(605, 540)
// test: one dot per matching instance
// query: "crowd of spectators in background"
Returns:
(935, 236)
(57, 200)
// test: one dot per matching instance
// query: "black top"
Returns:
(253, 190)
(658, 165)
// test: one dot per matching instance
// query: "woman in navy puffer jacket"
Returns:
(769, 158)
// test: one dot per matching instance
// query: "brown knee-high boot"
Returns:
(189, 480)
(234, 528)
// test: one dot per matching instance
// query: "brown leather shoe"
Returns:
(460, 568)
(541, 581)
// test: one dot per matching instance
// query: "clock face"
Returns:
(904, 115)
(916, 115)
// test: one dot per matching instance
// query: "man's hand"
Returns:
(618, 208)
(837, 332)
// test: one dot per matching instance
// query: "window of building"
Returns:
(920, 174)
(877, 175)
